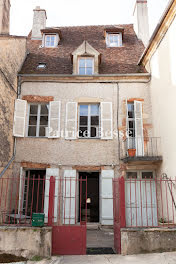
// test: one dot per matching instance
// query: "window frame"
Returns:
(38, 119)
(45, 40)
(119, 43)
(89, 121)
(93, 65)
(139, 175)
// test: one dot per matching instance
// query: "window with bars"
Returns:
(50, 40)
(86, 66)
(38, 120)
(89, 120)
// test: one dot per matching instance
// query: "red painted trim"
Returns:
(51, 201)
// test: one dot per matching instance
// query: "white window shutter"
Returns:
(71, 120)
(19, 118)
(106, 120)
(55, 173)
(106, 194)
(70, 189)
(139, 128)
(54, 119)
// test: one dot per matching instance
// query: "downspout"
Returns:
(14, 144)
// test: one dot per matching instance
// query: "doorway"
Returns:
(92, 196)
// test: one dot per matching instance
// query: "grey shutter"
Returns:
(106, 120)
(71, 120)
(19, 118)
(54, 119)
(139, 128)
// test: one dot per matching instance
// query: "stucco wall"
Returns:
(12, 53)
(26, 241)
(163, 94)
(151, 240)
(70, 152)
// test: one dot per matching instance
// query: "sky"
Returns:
(80, 12)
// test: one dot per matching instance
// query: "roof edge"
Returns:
(147, 54)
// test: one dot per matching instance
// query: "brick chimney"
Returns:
(39, 22)
(4, 17)
(141, 24)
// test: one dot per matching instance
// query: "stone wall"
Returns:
(26, 241)
(151, 240)
(12, 54)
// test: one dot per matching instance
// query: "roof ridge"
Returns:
(107, 25)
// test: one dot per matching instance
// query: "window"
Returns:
(50, 40)
(114, 40)
(140, 175)
(89, 119)
(41, 66)
(131, 126)
(86, 66)
(38, 120)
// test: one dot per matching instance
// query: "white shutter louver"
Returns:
(106, 120)
(71, 120)
(19, 118)
(54, 119)
(139, 128)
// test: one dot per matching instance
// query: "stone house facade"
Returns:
(83, 102)
(12, 54)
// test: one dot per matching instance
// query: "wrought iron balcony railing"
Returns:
(141, 148)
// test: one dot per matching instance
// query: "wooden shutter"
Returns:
(106, 197)
(69, 197)
(54, 119)
(55, 173)
(106, 120)
(139, 128)
(71, 120)
(19, 118)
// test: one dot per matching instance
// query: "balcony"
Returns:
(146, 149)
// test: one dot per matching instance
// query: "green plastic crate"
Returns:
(38, 219)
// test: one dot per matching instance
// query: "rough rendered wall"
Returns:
(86, 152)
(152, 240)
(26, 241)
(12, 53)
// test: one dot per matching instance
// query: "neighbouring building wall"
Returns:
(163, 94)
(12, 54)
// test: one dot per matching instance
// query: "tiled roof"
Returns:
(119, 60)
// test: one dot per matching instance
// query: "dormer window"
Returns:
(114, 40)
(86, 60)
(86, 66)
(50, 41)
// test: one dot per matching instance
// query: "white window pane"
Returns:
(94, 109)
(115, 38)
(82, 63)
(111, 38)
(83, 110)
(89, 63)
(88, 71)
(82, 71)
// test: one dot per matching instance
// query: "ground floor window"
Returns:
(34, 192)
